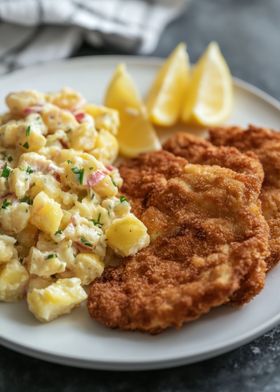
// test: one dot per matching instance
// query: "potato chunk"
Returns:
(56, 118)
(83, 138)
(45, 264)
(20, 100)
(7, 248)
(46, 183)
(105, 187)
(56, 299)
(34, 142)
(87, 267)
(127, 235)
(106, 147)
(19, 182)
(13, 281)
(14, 217)
(46, 213)
(66, 98)
(105, 118)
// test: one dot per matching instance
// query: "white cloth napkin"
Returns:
(33, 31)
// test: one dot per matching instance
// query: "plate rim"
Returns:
(141, 364)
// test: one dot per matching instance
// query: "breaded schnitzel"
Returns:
(265, 143)
(207, 232)
(198, 150)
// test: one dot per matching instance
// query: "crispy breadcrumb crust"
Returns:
(265, 144)
(207, 232)
(198, 150)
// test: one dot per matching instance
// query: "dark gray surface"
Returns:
(249, 34)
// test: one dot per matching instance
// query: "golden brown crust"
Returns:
(265, 144)
(211, 233)
(148, 173)
(201, 151)
(256, 138)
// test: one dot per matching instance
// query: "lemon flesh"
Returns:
(209, 99)
(164, 100)
(136, 134)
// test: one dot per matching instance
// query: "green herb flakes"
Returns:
(85, 242)
(6, 203)
(123, 199)
(51, 256)
(29, 170)
(97, 222)
(79, 173)
(27, 200)
(28, 130)
(6, 171)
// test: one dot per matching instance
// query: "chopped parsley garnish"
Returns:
(28, 130)
(79, 173)
(68, 130)
(51, 256)
(26, 145)
(68, 161)
(6, 171)
(29, 170)
(85, 242)
(113, 181)
(10, 159)
(123, 199)
(58, 232)
(27, 200)
(6, 204)
(97, 222)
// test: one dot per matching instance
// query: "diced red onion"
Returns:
(110, 167)
(33, 109)
(94, 178)
(81, 247)
(80, 116)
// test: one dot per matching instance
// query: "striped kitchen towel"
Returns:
(33, 31)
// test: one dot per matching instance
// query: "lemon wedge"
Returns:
(209, 100)
(164, 100)
(136, 134)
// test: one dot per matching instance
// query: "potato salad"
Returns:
(62, 216)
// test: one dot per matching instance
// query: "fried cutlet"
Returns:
(207, 231)
(265, 143)
(201, 151)
(197, 150)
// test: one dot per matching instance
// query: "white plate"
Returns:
(77, 340)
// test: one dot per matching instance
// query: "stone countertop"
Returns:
(248, 32)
